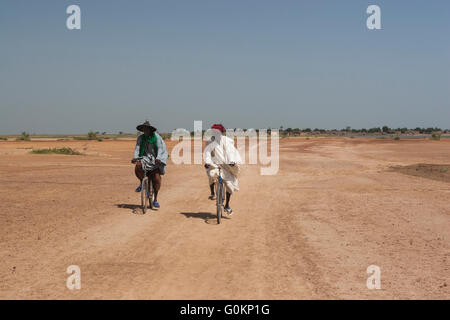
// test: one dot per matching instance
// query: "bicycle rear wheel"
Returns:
(219, 201)
(144, 194)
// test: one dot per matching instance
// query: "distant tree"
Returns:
(374, 130)
(92, 135)
(24, 137)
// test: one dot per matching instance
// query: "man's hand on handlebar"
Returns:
(207, 166)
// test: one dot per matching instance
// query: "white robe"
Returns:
(222, 153)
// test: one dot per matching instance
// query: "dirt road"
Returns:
(334, 208)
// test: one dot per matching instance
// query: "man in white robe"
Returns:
(220, 151)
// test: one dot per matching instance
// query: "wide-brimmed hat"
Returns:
(145, 124)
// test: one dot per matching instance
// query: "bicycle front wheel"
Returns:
(144, 194)
(150, 194)
(219, 201)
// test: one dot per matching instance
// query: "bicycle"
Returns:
(220, 191)
(147, 195)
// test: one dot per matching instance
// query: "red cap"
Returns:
(219, 127)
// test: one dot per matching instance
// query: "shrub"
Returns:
(24, 137)
(397, 138)
(4, 138)
(92, 135)
(63, 150)
(435, 136)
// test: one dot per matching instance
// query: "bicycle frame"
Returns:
(219, 178)
(146, 181)
(220, 192)
(145, 175)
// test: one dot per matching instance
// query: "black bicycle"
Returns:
(220, 192)
(147, 194)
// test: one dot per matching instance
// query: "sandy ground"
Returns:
(335, 207)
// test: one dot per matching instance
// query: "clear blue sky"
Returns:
(244, 63)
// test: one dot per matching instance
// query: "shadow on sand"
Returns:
(135, 208)
(208, 217)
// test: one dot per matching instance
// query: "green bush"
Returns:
(24, 137)
(435, 136)
(4, 138)
(92, 135)
(397, 138)
(63, 150)
(80, 138)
